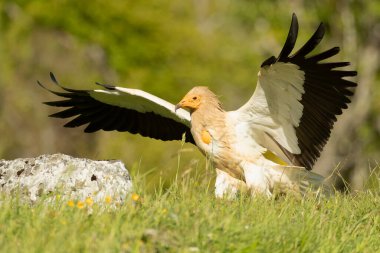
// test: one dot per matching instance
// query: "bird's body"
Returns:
(269, 144)
(237, 149)
(211, 133)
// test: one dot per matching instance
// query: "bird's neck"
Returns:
(208, 115)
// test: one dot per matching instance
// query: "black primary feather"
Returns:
(327, 93)
(101, 116)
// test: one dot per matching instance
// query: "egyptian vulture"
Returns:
(269, 143)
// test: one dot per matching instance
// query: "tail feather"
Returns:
(301, 181)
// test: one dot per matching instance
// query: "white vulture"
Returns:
(270, 143)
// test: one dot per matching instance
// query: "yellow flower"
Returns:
(108, 199)
(135, 197)
(89, 201)
(164, 211)
(70, 203)
(80, 204)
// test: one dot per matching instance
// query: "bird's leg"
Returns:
(227, 186)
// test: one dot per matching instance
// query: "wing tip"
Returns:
(52, 77)
(324, 55)
(290, 40)
(294, 18)
(312, 43)
(289, 43)
(41, 85)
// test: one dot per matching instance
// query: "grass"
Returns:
(187, 218)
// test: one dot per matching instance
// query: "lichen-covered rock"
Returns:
(64, 176)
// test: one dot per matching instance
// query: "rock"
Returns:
(65, 177)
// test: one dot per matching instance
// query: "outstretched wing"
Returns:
(298, 97)
(122, 109)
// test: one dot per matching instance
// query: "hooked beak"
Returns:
(177, 106)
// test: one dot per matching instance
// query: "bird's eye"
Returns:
(194, 98)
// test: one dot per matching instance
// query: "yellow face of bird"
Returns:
(191, 101)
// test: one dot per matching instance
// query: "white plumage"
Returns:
(275, 106)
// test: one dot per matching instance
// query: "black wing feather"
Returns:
(326, 93)
(290, 40)
(312, 42)
(102, 116)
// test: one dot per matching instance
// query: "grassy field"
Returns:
(187, 218)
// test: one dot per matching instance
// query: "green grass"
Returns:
(187, 218)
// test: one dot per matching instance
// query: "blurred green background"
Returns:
(166, 47)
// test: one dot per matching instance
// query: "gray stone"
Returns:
(65, 177)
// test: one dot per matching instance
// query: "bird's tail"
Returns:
(302, 181)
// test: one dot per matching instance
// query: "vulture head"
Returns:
(197, 98)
